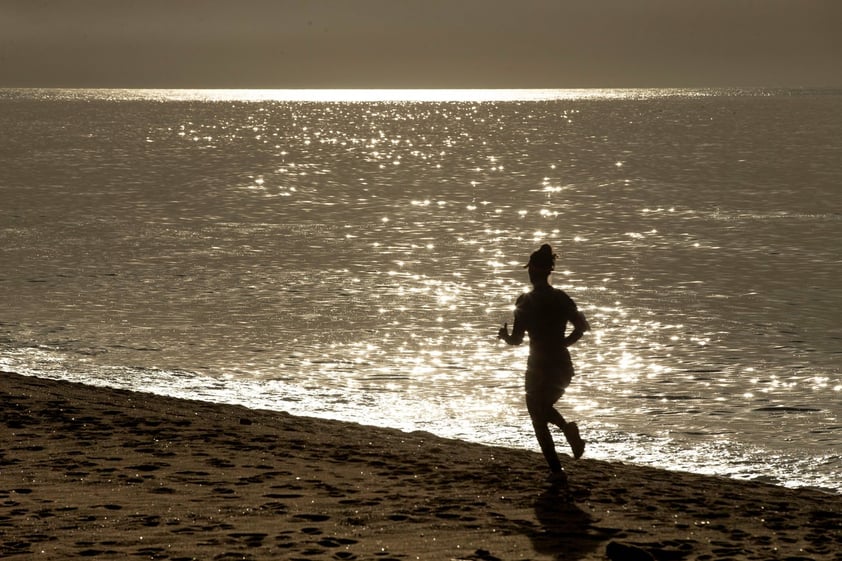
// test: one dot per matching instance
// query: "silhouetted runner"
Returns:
(544, 313)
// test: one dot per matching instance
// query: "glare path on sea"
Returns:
(355, 260)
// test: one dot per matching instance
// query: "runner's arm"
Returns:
(580, 327)
(516, 337)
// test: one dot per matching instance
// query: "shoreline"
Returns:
(103, 473)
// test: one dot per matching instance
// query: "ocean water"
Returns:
(351, 255)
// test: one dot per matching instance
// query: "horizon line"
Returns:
(395, 94)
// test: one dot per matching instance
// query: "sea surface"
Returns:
(352, 254)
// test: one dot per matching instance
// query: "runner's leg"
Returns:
(539, 413)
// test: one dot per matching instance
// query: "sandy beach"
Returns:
(89, 472)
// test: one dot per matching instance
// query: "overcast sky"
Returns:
(420, 43)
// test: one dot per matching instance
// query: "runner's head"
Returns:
(541, 262)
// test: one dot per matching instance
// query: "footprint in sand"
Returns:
(151, 552)
(232, 556)
(9, 548)
(150, 521)
(155, 466)
(313, 517)
(275, 507)
(248, 538)
(251, 480)
(283, 495)
(336, 542)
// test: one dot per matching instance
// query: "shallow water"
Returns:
(355, 260)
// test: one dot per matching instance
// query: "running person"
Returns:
(544, 313)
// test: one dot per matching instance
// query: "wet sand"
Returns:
(97, 473)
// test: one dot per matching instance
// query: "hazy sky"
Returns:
(420, 43)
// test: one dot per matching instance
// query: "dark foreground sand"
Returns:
(95, 473)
